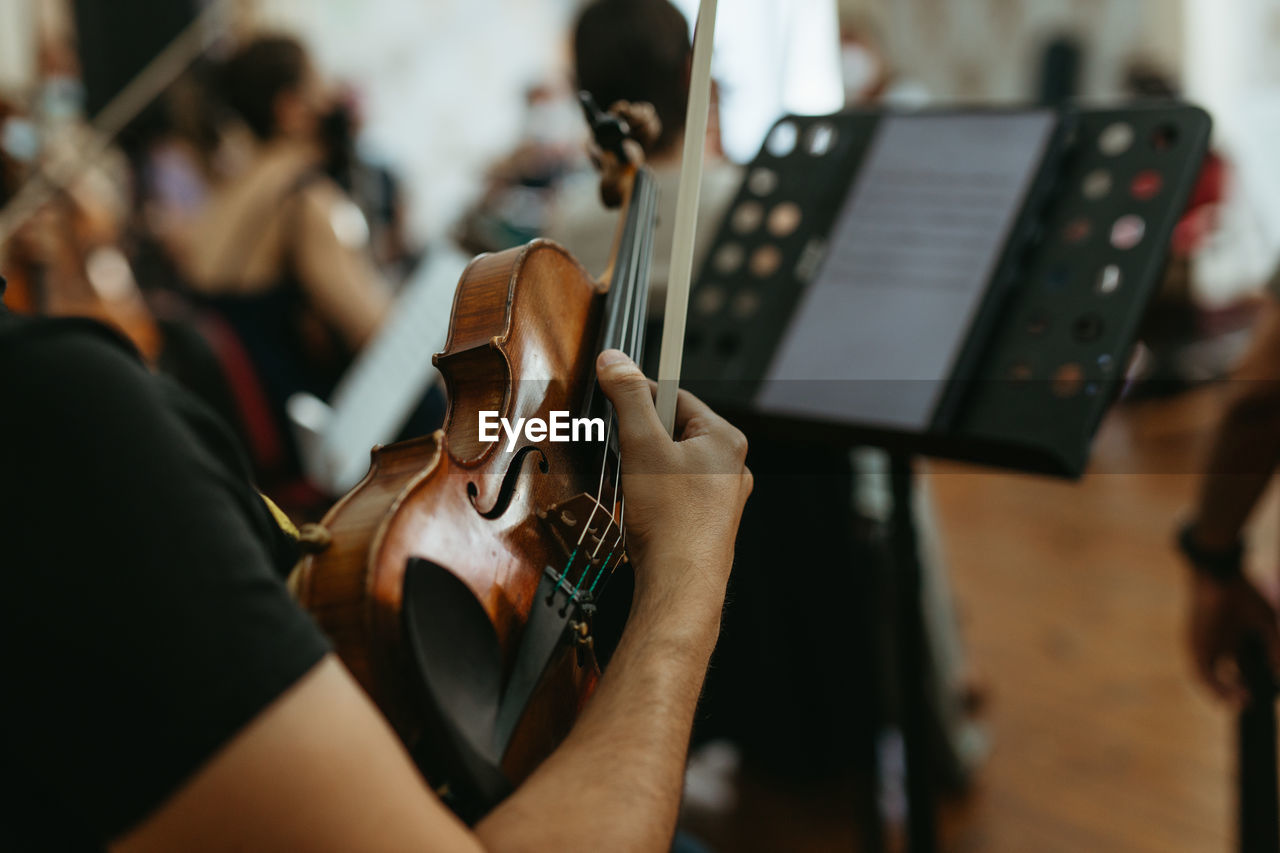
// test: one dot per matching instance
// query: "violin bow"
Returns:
(49, 179)
(686, 223)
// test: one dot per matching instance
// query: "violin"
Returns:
(458, 581)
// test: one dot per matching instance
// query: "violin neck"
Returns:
(627, 303)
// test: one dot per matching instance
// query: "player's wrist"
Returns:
(672, 570)
(1222, 562)
(679, 593)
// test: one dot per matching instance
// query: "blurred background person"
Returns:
(639, 51)
(280, 252)
(1227, 608)
(372, 186)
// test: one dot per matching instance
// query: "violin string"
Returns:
(626, 300)
(609, 430)
(564, 575)
(636, 330)
(619, 543)
(632, 329)
(631, 332)
(599, 496)
(617, 455)
(599, 575)
(614, 502)
(594, 508)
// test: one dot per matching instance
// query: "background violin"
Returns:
(64, 260)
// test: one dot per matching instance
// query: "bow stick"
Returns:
(672, 347)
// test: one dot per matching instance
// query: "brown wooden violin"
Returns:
(461, 576)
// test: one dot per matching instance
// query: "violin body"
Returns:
(483, 525)
(460, 577)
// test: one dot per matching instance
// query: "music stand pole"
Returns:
(913, 660)
(1259, 796)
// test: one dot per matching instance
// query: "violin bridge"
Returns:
(585, 530)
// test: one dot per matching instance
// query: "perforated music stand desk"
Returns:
(960, 283)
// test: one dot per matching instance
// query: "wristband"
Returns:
(1220, 564)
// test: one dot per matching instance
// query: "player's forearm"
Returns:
(625, 757)
(1242, 459)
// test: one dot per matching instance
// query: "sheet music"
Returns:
(386, 381)
(911, 255)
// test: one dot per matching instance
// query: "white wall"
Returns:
(443, 81)
(1233, 69)
(772, 57)
(990, 49)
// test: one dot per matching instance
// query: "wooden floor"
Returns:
(1071, 604)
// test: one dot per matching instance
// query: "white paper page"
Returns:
(911, 254)
(384, 384)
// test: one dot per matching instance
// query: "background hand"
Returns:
(1222, 615)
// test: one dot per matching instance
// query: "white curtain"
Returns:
(1233, 69)
(772, 57)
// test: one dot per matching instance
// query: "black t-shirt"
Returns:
(144, 618)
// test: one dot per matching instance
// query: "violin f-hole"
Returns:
(509, 479)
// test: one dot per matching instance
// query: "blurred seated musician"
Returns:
(639, 51)
(372, 186)
(1226, 607)
(280, 252)
(163, 692)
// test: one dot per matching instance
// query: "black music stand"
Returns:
(801, 262)
(913, 660)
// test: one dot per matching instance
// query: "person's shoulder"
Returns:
(63, 345)
(274, 180)
(318, 189)
(64, 368)
(327, 211)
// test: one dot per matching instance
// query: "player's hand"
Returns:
(1222, 615)
(684, 498)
